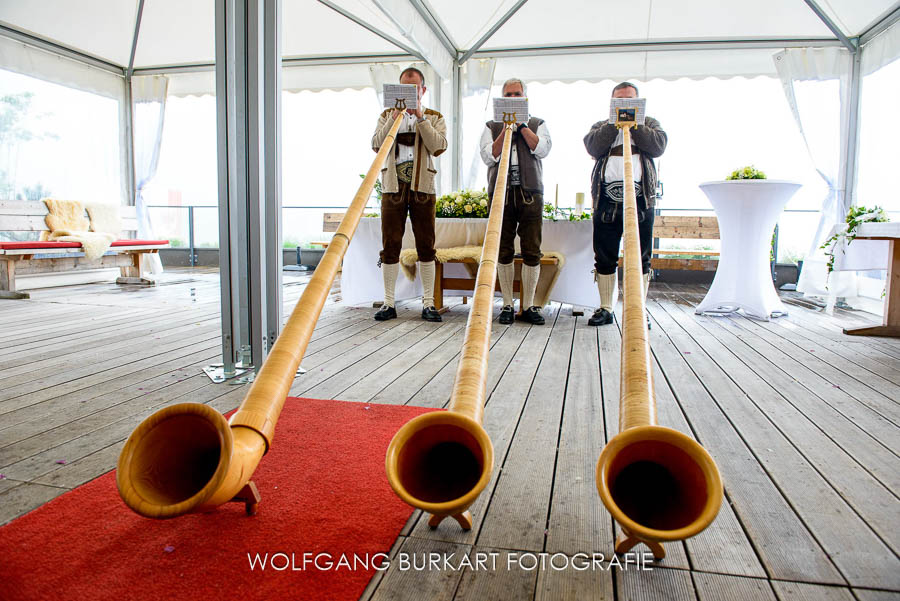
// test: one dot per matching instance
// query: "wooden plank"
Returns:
(796, 591)
(813, 358)
(432, 584)
(766, 515)
(870, 595)
(578, 521)
(808, 433)
(500, 577)
(20, 207)
(571, 584)
(517, 515)
(60, 264)
(22, 499)
(718, 587)
(407, 360)
(331, 221)
(684, 264)
(653, 585)
(22, 223)
(858, 552)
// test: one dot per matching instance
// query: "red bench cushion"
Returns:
(55, 244)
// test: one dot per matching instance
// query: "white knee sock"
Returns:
(427, 283)
(530, 275)
(608, 287)
(389, 272)
(646, 284)
(505, 273)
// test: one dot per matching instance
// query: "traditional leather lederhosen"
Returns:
(608, 224)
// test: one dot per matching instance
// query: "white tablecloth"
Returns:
(747, 211)
(361, 280)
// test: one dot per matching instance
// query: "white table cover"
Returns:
(747, 211)
(361, 280)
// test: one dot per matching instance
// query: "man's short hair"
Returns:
(414, 70)
(623, 85)
(511, 81)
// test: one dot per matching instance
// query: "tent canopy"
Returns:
(171, 33)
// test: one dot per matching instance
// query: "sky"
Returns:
(327, 135)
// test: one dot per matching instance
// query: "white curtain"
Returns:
(822, 64)
(881, 50)
(477, 79)
(148, 97)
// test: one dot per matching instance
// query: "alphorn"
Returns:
(187, 457)
(658, 484)
(441, 461)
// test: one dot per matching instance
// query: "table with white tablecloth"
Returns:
(361, 280)
(747, 211)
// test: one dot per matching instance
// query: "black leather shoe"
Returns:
(507, 314)
(385, 313)
(533, 316)
(601, 317)
(431, 314)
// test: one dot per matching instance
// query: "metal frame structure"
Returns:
(248, 82)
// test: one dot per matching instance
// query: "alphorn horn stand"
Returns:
(658, 484)
(441, 461)
(187, 457)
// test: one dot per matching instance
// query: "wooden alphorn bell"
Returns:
(441, 461)
(187, 457)
(658, 484)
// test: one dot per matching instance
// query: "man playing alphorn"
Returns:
(523, 213)
(604, 143)
(407, 182)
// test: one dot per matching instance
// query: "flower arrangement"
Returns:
(749, 172)
(566, 214)
(855, 216)
(468, 203)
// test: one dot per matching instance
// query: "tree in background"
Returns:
(15, 112)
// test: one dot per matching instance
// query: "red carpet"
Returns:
(323, 490)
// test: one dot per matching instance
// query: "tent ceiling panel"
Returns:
(98, 27)
(176, 32)
(639, 66)
(458, 17)
(854, 16)
(311, 28)
(555, 22)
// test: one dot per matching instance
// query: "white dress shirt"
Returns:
(540, 151)
(615, 166)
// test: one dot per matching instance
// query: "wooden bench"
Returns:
(666, 227)
(442, 283)
(27, 257)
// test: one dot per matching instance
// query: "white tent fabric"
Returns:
(881, 50)
(182, 32)
(821, 64)
(149, 101)
(34, 62)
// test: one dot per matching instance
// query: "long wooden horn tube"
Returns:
(658, 484)
(440, 462)
(187, 457)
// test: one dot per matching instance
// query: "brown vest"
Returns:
(530, 170)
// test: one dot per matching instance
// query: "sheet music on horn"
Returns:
(627, 110)
(517, 108)
(402, 91)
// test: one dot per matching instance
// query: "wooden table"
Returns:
(891, 324)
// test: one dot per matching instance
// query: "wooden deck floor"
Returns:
(802, 421)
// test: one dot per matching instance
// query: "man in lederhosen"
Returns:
(523, 212)
(407, 182)
(604, 143)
